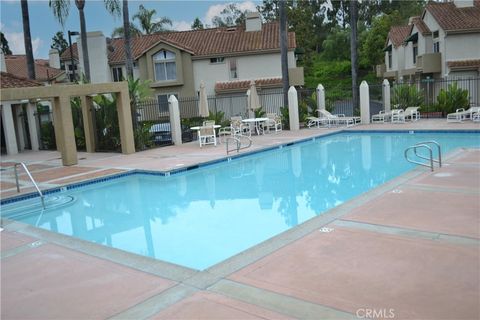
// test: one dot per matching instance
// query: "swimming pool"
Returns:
(200, 217)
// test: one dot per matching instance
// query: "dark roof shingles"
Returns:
(207, 42)
(17, 65)
(398, 34)
(8, 80)
(451, 18)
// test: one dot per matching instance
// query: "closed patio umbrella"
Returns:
(203, 102)
(253, 99)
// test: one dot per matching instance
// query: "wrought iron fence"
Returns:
(425, 93)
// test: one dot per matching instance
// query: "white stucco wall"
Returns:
(433, 25)
(462, 47)
(97, 53)
(248, 67)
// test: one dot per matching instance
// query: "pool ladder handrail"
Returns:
(238, 143)
(31, 179)
(431, 159)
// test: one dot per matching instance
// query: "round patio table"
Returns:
(257, 123)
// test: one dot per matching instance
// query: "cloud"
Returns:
(216, 9)
(17, 45)
(181, 25)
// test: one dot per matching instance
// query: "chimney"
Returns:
(98, 56)
(463, 3)
(3, 66)
(253, 22)
(54, 58)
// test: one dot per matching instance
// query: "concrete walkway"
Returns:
(406, 250)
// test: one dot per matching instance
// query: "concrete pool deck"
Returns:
(406, 250)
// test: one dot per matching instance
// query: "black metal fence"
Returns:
(425, 93)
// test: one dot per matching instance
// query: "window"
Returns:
(217, 60)
(233, 69)
(415, 51)
(165, 67)
(389, 59)
(163, 101)
(117, 74)
(436, 42)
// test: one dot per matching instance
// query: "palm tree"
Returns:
(27, 38)
(283, 50)
(61, 9)
(354, 52)
(147, 25)
(128, 48)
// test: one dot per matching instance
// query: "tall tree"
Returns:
(61, 10)
(197, 24)
(27, 38)
(283, 51)
(4, 44)
(59, 42)
(127, 42)
(147, 23)
(231, 15)
(354, 52)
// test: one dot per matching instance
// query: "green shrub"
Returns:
(405, 96)
(453, 98)
(143, 137)
(259, 113)
(285, 117)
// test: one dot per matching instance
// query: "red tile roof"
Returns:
(245, 84)
(17, 65)
(207, 42)
(421, 26)
(464, 63)
(8, 80)
(398, 34)
(451, 18)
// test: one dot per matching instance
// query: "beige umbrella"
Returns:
(253, 99)
(203, 102)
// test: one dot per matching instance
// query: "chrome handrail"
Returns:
(439, 149)
(31, 179)
(238, 143)
(414, 147)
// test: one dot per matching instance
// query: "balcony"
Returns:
(429, 63)
(295, 76)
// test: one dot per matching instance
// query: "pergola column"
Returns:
(64, 119)
(88, 123)
(9, 128)
(20, 126)
(32, 126)
(125, 122)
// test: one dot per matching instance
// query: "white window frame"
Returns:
(164, 62)
(217, 60)
(233, 69)
(415, 51)
(436, 41)
(115, 74)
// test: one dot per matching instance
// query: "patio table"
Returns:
(257, 124)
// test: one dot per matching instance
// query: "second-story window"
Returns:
(436, 42)
(217, 60)
(117, 74)
(415, 51)
(389, 59)
(233, 69)
(165, 67)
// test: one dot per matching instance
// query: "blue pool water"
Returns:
(203, 216)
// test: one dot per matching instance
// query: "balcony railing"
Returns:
(429, 63)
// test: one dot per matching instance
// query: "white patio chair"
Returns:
(339, 119)
(476, 117)
(412, 113)
(317, 122)
(274, 122)
(461, 114)
(236, 128)
(382, 116)
(206, 135)
(398, 116)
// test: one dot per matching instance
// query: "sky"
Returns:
(43, 24)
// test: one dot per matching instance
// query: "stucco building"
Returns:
(177, 62)
(444, 42)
